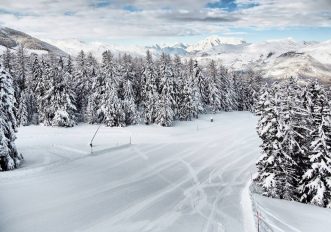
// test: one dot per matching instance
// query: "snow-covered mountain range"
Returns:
(274, 58)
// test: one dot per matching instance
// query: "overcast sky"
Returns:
(154, 21)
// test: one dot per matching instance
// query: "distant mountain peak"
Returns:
(213, 41)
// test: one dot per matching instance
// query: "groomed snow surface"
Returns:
(191, 177)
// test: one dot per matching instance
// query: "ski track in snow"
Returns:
(171, 179)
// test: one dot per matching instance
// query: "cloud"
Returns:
(108, 19)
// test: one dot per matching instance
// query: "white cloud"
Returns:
(87, 20)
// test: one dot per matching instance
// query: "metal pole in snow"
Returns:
(258, 221)
(91, 143)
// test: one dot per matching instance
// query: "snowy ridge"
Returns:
(12, 39)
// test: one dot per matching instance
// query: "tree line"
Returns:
(122, 91)
(118, 91)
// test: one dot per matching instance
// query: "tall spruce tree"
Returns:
(83, 83)
(129, 106)
(9, 157)
(186, 110)
(164, 112)
(8, 60)
(315, 186)
(112, 106)
(201, 84)
(58, 100)
(292, 121)
(150, 91)
(270, 164)
(214, 98)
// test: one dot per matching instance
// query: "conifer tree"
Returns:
(20, 71)
(94, 111)
(223, 86)
(197, 103)
(164, 111)
(129, 106)
(150, 91)
(315, 186)
(112, 107)
(58, 100)
(9, 157)
(213, 90)
(294, 133)
(201, 84)
(259, 104)
(178, 85)
(270, 164)
(186, 110)
(7, 61)
(83, 83)
(23, 112)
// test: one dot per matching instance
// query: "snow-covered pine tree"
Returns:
(270, 163)
(92, 65)
(7, 61)
(213, 90)
(23, 112)
(240, 91)
(94, 111)
(259, 105)
(150, 91)
(197, 103)
(58, 101)
(33, 81)
(35, 73)
(20, 70)
(315, 186)
(129, 106)
(201, 82)
(166, 77)
(244, 92)
(223, 86)
(69, 67)
(41, 88)
(253, 85)
(231, 91)
(83, 83)
(294, 132)
(137, 81)
(112, 106)
(186, 109)
(178, 86)
(164, 111)
(100, 87)
(125, 73)
(9, 157)
(26, 102)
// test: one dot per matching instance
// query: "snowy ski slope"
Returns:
(191, 177)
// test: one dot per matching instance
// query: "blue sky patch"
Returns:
(101, 3)
(131, 8)
(230, 5)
